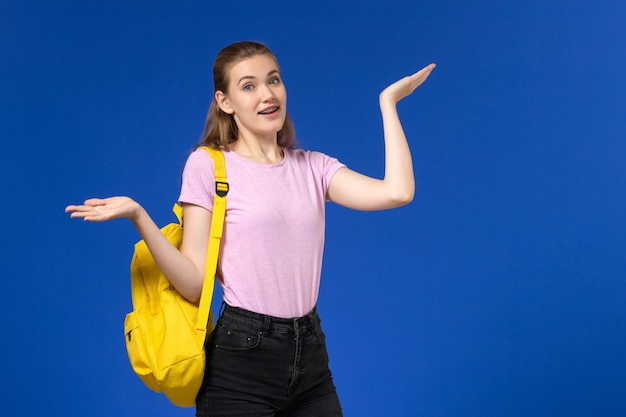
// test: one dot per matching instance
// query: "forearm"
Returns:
(399, 181)
(179, 270)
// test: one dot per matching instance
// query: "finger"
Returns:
(95, 202)
(420, 76)
(88, 215)
(76, 209)
(427, 68)
(78, 214)
(424, 72)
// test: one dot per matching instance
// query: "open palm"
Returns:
(102, 209)
(405, 86)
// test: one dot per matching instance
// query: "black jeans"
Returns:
(261, 366)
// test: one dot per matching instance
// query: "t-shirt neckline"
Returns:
(259, 164)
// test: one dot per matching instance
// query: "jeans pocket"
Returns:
(236, 338)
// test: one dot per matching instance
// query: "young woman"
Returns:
(267, 355)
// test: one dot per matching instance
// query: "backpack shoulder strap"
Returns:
(217, 226)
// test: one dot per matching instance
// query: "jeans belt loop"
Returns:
(267, 324)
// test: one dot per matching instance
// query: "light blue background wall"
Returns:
(499, 291)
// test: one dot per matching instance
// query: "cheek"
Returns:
(241, 105)
(282, 97)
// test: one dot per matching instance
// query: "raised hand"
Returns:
(405, 86)
(102, 209)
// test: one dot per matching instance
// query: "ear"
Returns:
(223, 102)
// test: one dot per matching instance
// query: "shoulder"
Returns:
(319, 164)
(310, 157)
(199, 160)
(199, 156)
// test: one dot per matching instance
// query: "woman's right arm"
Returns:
(184, 268)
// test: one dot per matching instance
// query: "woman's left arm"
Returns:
(360, 192)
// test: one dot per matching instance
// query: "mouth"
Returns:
(269, 110)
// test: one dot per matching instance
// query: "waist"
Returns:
(270, 324)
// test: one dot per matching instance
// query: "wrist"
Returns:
(384, 100)
(387, 106)
(136, 213)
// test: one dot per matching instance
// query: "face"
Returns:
(256, 97)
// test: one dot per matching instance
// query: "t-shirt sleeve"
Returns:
(327, 166)
(198, 180)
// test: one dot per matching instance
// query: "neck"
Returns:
(261, 150)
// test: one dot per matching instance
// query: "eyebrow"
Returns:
(252, 77)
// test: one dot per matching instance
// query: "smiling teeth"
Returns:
(268, 111)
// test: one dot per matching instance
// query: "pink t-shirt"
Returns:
(271, 253)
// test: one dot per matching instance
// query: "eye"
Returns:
(274, 80)
(248, 87)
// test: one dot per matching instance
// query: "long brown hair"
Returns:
(220, 128)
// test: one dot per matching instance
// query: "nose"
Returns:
(268, 93)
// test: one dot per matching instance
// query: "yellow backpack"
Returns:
(165, 333)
